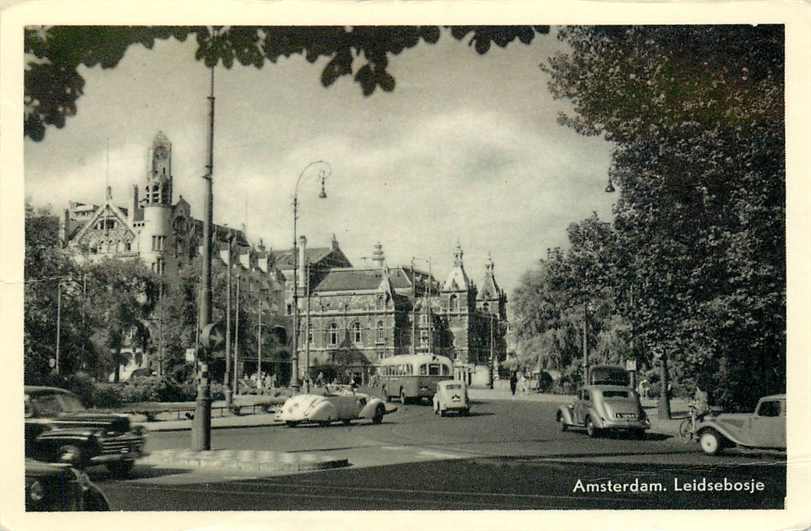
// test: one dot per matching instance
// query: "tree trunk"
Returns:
(663, 407)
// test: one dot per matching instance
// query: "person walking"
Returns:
(513, 382)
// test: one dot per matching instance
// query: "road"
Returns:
(506, 455)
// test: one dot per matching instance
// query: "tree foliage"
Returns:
(53, 83)
(696, 115)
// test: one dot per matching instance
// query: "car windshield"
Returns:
(453, 386)
(609, 376)
(615, 394)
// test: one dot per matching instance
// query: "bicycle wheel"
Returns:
(686, 430)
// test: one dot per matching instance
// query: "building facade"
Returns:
(350, 318)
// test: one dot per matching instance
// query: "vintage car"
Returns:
(451, 395)
(337, 403)
(765, 428)
(600, 408)
(58, 487)
(58, 428)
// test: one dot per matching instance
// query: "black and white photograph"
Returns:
(441, 269)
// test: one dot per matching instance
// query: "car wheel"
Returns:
(120, 469)
(402, 396)
(562, 423)
(466, 412)
(711, 442)
(347, 422)
(591, 429)
(292, 423)
(324, 423)
(379, 412)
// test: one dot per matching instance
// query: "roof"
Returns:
(41, 389)
(284, 258)
(348, 279)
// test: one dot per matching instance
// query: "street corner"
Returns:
(251, 461)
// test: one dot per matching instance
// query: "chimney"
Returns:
(262, 257)
(302, 255)
(334, 243)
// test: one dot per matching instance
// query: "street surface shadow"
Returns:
(140, 472)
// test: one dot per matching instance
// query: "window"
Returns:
(454, 303)
(333, 334)
(381, 355)
(424, 320)
(423, 369)
(128, 246)
(380, 302)
(310, 334)
(379, 336)
(486, 307)
(289, 308)
(446, 371)
(154, 243)
(356, 333)
(434, 369)
(424, 337)
(770, 408)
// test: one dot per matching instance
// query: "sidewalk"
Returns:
(256, 461)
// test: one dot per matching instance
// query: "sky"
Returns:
(466, 148)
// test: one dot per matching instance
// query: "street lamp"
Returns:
(324, 172)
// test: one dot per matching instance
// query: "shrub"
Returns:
(545, 382)
(107, 396)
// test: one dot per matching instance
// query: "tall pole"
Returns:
(201, 428)
(229, 395)
(84, 324)
(414, 308)
(430, 317)
(236, 338)
(492, 351)
(307, 328)
(160, 330)
(294, 378)
(586, 342)
(58, 322)
(663, 406)
(259, 382)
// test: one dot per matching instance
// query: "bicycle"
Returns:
(687, 428)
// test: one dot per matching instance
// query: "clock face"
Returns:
(161, 153)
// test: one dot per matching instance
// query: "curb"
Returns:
(244, 460)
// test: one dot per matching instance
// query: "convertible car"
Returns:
(336, 404)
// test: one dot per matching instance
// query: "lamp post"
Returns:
(323, 173)
(201, 427)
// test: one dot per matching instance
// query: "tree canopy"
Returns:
(696, 115)
(53, 84)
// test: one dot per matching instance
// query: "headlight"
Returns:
(36, 492)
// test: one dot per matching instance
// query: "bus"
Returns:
(408, 376)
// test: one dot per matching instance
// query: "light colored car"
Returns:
(336, 404)
(600, 408)
(451, 395)
(765, 428)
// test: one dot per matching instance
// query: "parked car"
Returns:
(765, 428)
(338, 403)
(599, 408)
(451, 395)
(58, 487)
(58, 428)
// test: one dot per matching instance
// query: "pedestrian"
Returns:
(522, 384)
(513, 382)
(319, 379)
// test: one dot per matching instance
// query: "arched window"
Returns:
(310, 333)
(333, 334)
(381, 302)
(379, 337)
(486, 307)
(356, 333)
(454, 303)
